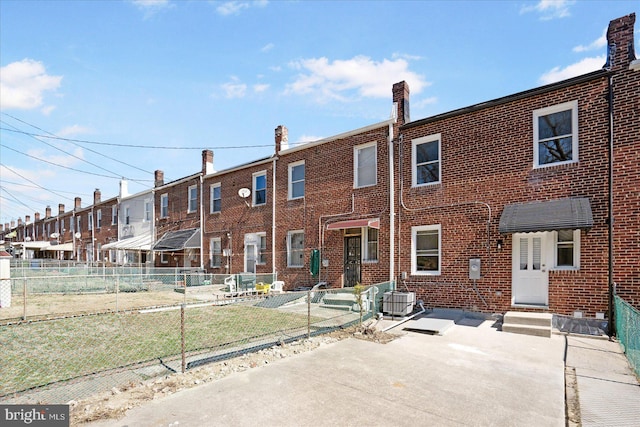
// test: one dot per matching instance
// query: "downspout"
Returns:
(93, 237)
(611, 284)
(273, 221)
(392, 209)
(201, 221)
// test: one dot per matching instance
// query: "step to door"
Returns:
(537, 331)
(536, 324)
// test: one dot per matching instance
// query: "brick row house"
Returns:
(529, 201)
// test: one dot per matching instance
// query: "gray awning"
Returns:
(562, 214)
(178, 240)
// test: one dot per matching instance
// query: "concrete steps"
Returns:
(536, 324)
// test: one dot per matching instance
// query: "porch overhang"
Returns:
(355, 223)
(139, 243)
(174, 241)
(62, 247)
(561, 214)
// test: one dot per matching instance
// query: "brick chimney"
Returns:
(47, 212)
(282, 138)
(13, 224)
(60, 208)
(27, 219)
(158, 178)
(77, 203)
(19, 222)
(620, 42)
(207, 162)
(401, 100)
(96, 196)
(36, 217)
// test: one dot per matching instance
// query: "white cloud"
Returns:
(23, 84)
(584, 66)
(550, 9)
(235, 7)
(338, 79)
(598, 43)
(261, 87)
(424, 102)
(59, 159)
(72, 131)
(267, 47)
(151, 7)
(234, 89)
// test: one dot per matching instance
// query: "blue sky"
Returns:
(101, 77)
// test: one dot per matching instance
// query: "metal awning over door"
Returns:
(178, 240)
(561, 214)
(355, 223)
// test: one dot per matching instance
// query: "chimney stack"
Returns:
(27, 219)
(124, 188)
(159, 178)
(47, 212)
(13, 224)
(60, 209)
(19, 222)
(401, 101)
(207, 162)
(282, 138)
(620, 42)
(36, 217)
(77, 203)
(97, 196)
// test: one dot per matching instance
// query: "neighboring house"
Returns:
(89, 229)
(133, 218)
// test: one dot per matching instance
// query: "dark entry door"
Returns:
(352, 260)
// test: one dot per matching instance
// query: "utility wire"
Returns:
(37, 186)
(73, 142)
(17, 200)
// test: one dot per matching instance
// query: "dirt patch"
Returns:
(115, 403)
(572, 400)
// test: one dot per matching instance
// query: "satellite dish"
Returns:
(244, 192)
(78, 235)
(55, 235)
(27, 239)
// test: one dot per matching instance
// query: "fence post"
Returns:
(117, 289)
(24, 298)
(309, 314)
(182, 339)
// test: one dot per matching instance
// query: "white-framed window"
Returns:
(259, 188)
(57, 227)
(114, 214)
(370, 244)
(99, 218)
(164, 259)
(296, 180)
(164, 205)
(193, 199)
(127, 215)
(90, 221)
(295, 248)
(425, 160)
(215, 249)
(147, 210)
(566, 249)
(262, 248)
(216, 198)
(425, 250)
(555, 135)
(365, 165)
(78, 224)
(72, 225)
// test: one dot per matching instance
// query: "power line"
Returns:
(153, 147)
(34, 183)
(37, 186)
(16, 199)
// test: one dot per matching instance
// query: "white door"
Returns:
(250, 257)
(530, 282)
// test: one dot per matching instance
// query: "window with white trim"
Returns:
(296, 180)
(365, 165)
(193, 199)
(425, 160)
(259, 188)
(216, 198)
(147, 211)
(425, 250)
(99, 218)
(567, 249)
(164, 205)
(370, 244)
(90, 222)
(78, 223)
(555, 135)
(127, 215)
(295, 248)
(215, 248)
(164, 259)
(114, 214)
(262, 248)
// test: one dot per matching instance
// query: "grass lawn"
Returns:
(39, 353)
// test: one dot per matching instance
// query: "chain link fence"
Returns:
(75, 352)
(628, 331)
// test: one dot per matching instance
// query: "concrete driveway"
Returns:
(469, 376)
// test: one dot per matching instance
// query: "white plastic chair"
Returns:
(277, 286)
